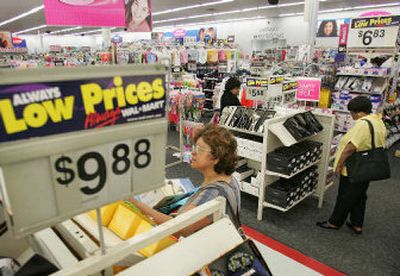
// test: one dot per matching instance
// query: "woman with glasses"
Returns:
(214, 155)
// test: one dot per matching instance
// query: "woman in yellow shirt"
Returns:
(352, 197)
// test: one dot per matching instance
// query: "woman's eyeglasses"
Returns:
(197, 149)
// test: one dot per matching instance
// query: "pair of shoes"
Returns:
(327, 225)
(352, 227)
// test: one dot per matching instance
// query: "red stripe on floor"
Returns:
(291, 253)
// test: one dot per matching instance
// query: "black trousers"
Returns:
(351, 199)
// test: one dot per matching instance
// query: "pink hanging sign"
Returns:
(375, 13)
(99, 13)
(344, 34)
(308, 89)
(180, 33)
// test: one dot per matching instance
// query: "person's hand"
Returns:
(133, 200)
(338, 171)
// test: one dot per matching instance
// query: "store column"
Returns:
(311, 8)
(42, 50)
(106, 33)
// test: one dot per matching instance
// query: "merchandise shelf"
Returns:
(271, 173)
(361, 75)
(289, 91)
(272, 206)
(243, 131)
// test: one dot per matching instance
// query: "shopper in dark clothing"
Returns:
(230, 96)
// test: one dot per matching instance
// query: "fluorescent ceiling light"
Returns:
(66, 30)
(227, 12)
(193, 7)
(347, 9)
(331, 10)
(31, 29)
(91, 32)
(22, 15)
(287, 14)
(172, 27)
(377, 6)
(291, 14)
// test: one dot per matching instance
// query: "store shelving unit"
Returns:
(273, 137)
(183, 258)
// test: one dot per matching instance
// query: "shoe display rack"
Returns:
(255, 146)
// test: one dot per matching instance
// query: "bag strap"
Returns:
(229, 204)
(372, 131)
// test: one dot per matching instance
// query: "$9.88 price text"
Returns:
(67, 174)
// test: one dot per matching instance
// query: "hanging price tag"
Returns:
(97, 140)
(374, 32)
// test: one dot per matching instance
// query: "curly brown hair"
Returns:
(223, 147)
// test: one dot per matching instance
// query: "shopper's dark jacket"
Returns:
(228, 99)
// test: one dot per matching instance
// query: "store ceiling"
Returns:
(12, 8)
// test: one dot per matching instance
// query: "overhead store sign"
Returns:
(263, 88)
(46, 108)
(206, 35)
(256, 82)
(134, 15)
(19, 42)
(264, 82)
(5, 40)
(374, 32)
(94, 140)
(308, 89)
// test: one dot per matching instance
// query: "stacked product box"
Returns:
(286, 192)
(290, 160)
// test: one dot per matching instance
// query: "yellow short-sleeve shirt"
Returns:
(360, 136)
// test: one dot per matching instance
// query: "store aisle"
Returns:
(375, 252)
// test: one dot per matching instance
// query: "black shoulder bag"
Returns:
(369, 165)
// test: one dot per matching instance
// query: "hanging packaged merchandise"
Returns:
(245, 259)
(184, 56)
(203, 56)
(222, 55)
(193, 55)
(212, 56)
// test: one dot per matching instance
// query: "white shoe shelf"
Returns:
(275, 136)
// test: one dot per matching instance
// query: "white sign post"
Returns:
(76, 139)
(374, 32)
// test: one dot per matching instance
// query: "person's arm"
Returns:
(158, 217)
(195, 226)
(347, 152)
